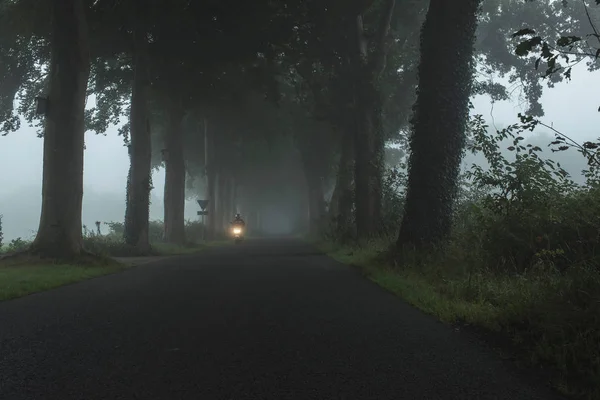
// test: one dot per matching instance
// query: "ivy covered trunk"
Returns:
(440, 121)
(59, 234)
(139, 182)
(174, 196)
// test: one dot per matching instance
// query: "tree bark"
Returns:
(439, 122)
(234, 196)
(368, 166)
(316, 202)
(212, 208)
(59, 234)
(174, 197)
(341, 212)
(140, 151)
(368, 134)
(219, 204)
(227, 213)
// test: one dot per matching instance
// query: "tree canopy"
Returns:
(223, 87)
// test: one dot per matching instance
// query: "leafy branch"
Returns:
(570, 48)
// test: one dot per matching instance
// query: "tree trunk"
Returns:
(140, 151)
(439, 122)
(219, 204)
(365, 194)
(342, 209)
(59, 234)
(368, 139)
(369, 160)
(174, 197)
(212, 208)
(234, 196)
(226, 202)
(316, 203)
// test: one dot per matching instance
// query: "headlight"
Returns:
(237, 231)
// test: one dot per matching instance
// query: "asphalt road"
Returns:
(268, 319)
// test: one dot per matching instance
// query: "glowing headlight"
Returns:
(237, 231)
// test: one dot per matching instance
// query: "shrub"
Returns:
(530, 211)
(194, 231)
(155, 230)
(113, 243)
(17, 244)
(1, 234)
(523, 258)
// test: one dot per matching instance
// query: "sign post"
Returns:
(203, 204)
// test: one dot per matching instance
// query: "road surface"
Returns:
(268, 319)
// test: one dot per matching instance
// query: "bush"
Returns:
(113, 243)
(529, 246)
(531, 212)
(155, 230)
(1, 234)
(522, 259)
(193, 231)
(17, 245)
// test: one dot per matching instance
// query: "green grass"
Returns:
(543, 317)
(21, 280)
(30, 275)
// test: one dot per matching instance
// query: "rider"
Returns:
(238, 220)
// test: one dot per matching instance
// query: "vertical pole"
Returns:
(205, 146)
(205, 176)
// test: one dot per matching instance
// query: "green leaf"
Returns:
(567, 40)
(525, 47)
(546, 53)
(523, 32)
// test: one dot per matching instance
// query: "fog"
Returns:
(570, 107)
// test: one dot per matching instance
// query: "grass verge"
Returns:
(22, 277)
(26, 275)
(541, 318)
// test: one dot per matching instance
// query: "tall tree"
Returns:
(139, 180)
(174, 197)
(369, 61)
(60, 234)
(440, 119)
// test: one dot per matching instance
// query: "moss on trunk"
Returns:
(440, 120)
(140, 151)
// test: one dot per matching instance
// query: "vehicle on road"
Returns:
(238, 233)
(237, 230)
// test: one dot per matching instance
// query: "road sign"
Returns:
(203, 204)
(203, 212)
